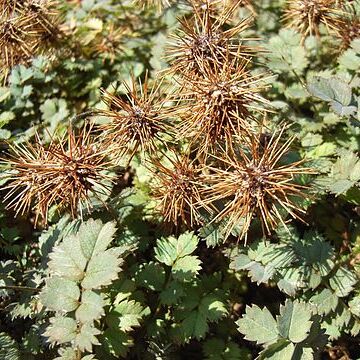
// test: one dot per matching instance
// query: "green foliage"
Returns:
(118, 282)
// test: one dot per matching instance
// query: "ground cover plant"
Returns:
(179, 179)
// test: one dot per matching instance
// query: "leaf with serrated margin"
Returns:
(60, 295)
(354, 305)
(258, 325)
(281, 350)
(95, 237)
(61, 330)
(101, 270)
(86, 337)
(343, 282)
(186, 268)
(294, 321)
(8, 348)
(116, 343)
(125, 316)
(151, 276)
(91, 307)
(67, 259)
(195, 325)
(172, 294)
(325, 301)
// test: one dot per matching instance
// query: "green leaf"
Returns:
(218, 349)
(258, 325)
(91, 307)
(325, 301)
(186, 268)
(101, 270)
(213, 308)
(294, 321)
(86, 337)
(195, 325)
(354, 305)
(61, 330)
(95, 237)
(168, 250)
(343, 282)
(60, 295)
(151, 276)
(8, 348)
(125, 316)
(281, 350)
(116, 343)
(172, 294)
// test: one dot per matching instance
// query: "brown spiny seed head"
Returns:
(306, 16)
(17, 42)
(136, 119)
(350, 26)
(110, 44)
(177, 190)
(254, 181)
(7, 7)
(202, 41)
(63, 173)
(220, 105)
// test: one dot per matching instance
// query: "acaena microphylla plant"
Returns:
(28, 28)
(177, 189)
(253, 181)
(221, 104)
(350, 27)
(307, 15)
(202, 41)
(64, 173)
(137, 119)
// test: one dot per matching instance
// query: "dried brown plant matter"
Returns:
(201, 41)
(306, 15)
(254, 182)
(63, 173)
(177, 190)
(136, 119)
(349, 29)
(27, 28)
(221, 104)
(159, 4)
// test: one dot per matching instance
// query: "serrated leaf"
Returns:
(67, 259)
(172, 294)
(86, 337)
(354, 306)
(258, 325)
(116, 343)
(168, 250)
(325, 301)
(91, 307)
(95, 237)
(8, 348)
(61, 330)
(281, 350)
(60, 295)
(195, 325)
(259, 273)
(186, 268)
(294, 321)
(151, 276)
(213, 308)
(343, 282)
(101, 270)
(125, 316)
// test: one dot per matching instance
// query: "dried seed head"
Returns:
(63, 173)
(110, 44)
(159, 4)
(220, 105)
(177, 190)
(350, 27)
(202, 42)
(136, 119)
(306, 15)
(255, 182)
